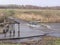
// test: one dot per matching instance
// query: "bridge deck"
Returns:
(25, 32)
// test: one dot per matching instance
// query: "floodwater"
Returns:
(26, 30)
(52, 29)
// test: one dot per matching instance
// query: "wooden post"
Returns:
(18, 30)
(5, 28)
(10, 33)
(4, 33)
(13, 33)
(12, 30)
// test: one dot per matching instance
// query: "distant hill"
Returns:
(27, 7)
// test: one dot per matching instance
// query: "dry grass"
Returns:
(34, 14)
(47, 40)
(41, 15)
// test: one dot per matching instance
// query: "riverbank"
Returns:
(46, 40)
(32, 14)
(39, 15)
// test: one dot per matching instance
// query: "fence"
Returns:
(12, 31)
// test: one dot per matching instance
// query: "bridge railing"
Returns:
(9, 28)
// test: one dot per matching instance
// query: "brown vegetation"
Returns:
(32, 14)
(39, 15)
(46, 40)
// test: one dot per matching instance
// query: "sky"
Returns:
(31, 2)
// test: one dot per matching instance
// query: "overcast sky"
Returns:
(32, 2)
